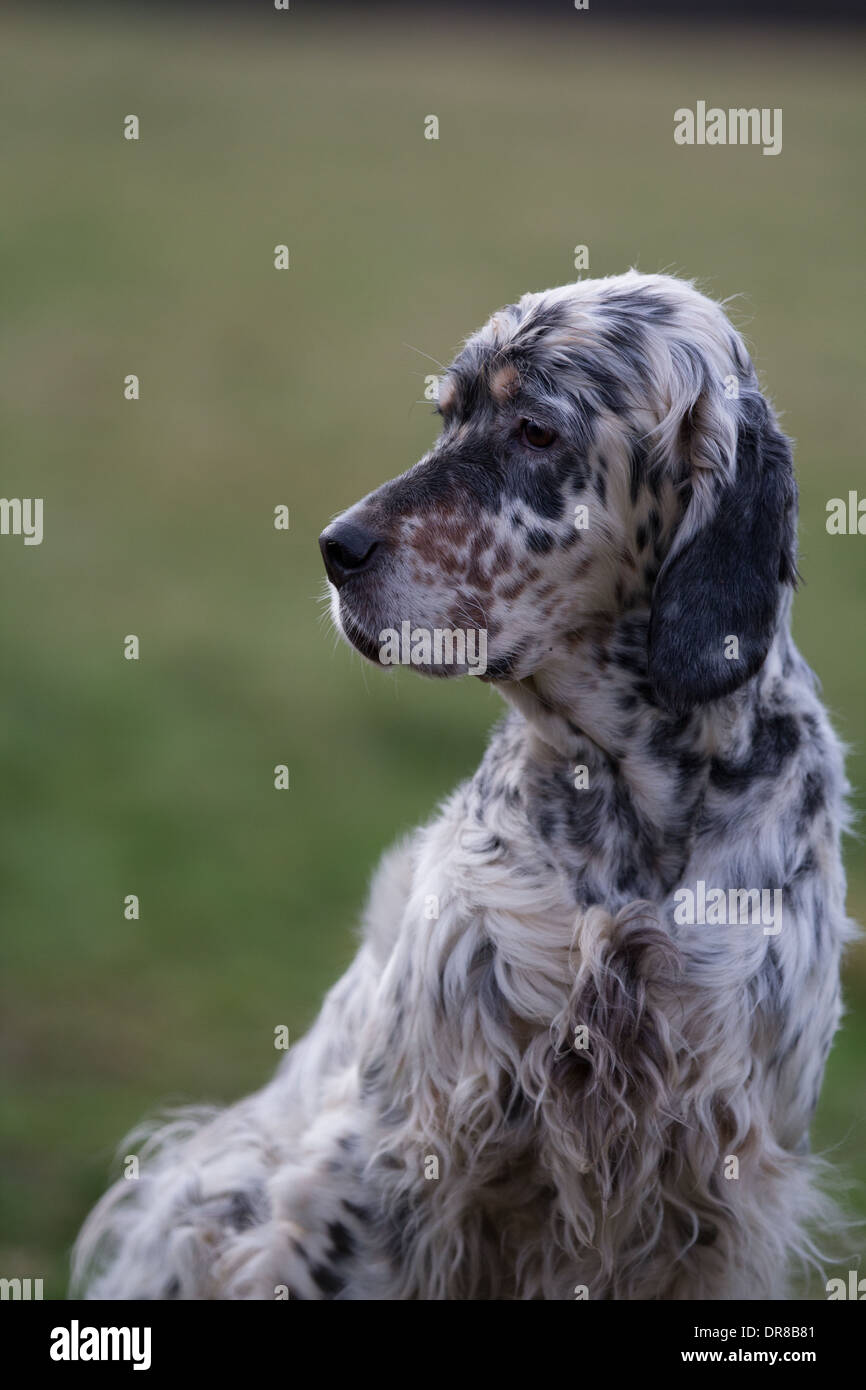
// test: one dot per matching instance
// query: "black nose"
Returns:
(347, 549)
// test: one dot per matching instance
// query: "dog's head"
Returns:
(604, 448)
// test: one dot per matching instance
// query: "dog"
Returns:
(575, 1056)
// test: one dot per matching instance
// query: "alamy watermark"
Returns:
(729, 907)
(77, 1343)
(437, 646)
(739, 125)
(22, 516)
(22, 1290)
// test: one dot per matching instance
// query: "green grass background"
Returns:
(261, 388)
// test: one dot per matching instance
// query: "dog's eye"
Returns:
(535, 435)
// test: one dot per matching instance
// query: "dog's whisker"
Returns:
(434, 360)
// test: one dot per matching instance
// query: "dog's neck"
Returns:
(592, 708)
(599, 690)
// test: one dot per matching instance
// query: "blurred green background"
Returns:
(260, 388)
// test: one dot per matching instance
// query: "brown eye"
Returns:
(535, 435)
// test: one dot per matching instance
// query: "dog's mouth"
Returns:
(354, 632)
(437, 651)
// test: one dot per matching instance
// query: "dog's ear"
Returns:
(716, 598)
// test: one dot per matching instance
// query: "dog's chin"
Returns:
(359, 636)
(371, 650)
(351, 630)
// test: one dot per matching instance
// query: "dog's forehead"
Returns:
(602, 335)
(502, 356)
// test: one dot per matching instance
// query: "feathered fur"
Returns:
(535, 1080)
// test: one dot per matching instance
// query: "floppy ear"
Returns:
(723, 580)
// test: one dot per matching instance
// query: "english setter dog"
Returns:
(579, 1049)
